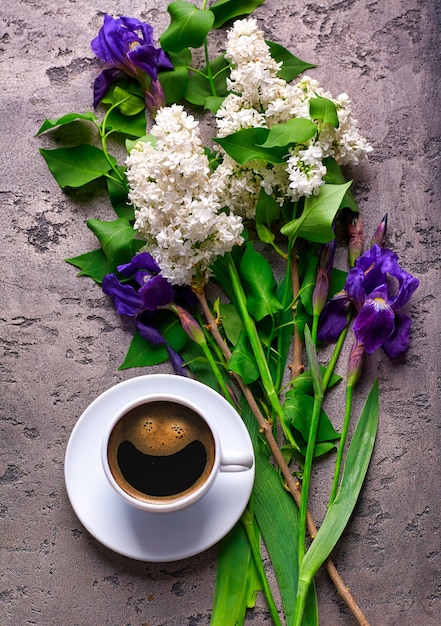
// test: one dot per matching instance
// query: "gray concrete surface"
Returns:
(61, 342)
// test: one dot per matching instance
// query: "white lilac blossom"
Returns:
(260, 98)
(176, 207)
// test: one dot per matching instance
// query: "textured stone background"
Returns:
(61, 342)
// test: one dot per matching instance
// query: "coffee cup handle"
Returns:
(236, 461)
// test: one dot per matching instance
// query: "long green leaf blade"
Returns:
(354, 472)
(259, 283)
(233, 567)
(277, 517)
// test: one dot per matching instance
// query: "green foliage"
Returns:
(259, 284)
(354, 472)
(292, 65)
(188, 28)
(225, 10)
(77, 166)
(50, 124)
(315, 222)
(297, 130)
(247, 144)
(323, 110)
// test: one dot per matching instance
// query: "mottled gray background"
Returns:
(61, 342)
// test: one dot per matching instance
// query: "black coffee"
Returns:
(161, 450)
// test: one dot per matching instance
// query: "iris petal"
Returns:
(156, 292)
(126, 298)
(373, 324)
(333, 319)
(396, 344)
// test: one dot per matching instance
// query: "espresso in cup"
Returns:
(160, 451)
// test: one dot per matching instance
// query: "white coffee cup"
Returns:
(161, 453)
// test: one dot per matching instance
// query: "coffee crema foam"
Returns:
(160, 450)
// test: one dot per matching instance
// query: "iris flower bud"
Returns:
(324, 269)
(355, 363)
(190, 325)
(380, 234)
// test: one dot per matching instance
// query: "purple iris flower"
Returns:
(125, 44)
(378, 288)
(151, 292)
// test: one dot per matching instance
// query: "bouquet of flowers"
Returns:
(200, 227)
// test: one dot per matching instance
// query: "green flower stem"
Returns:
(247, 520)
(257, 348)
(103, 134)
(341, 445)
(334, 358)
(315, 321)
(221, 382)
(307, 468)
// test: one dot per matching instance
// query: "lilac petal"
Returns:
(374, 324)
(151, 334)
(141, 261)
(103, 82)
(333, 319)
(396, 344)
(126, 298)
(156, 292)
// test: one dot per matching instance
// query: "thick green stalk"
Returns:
(341, 445)
(257, 348)
(334, 358)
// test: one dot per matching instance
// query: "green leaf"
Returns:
(77, 166)
(127, 103)
(174, 84)
(233, 571)
(93, 264)
(118, 194)
(324, 110)
(131, 143)
(259, 284)
(247, 144)
(354, 472)
(335, 176)
(133, 125)
(298, 409)
(277, 517)
(49, 124)
(297, 130)
(199, 91)
(188, 28)
(303, 382)
(292, 66)
(242, 360)
(231, 322)
(315, 222)
(225, 10)
(142, 353)
(311, 352)
(267, 209)
(115, 237)
(213, 103)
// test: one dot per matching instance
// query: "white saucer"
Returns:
(148, 536)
